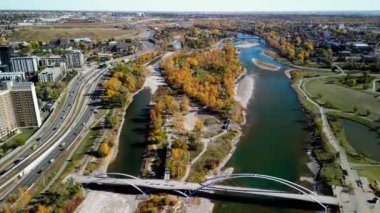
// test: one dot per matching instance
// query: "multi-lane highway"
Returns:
(71, 122)
(52, 141)
(58, 129)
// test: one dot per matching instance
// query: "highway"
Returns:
(56, 131)
(63, 131)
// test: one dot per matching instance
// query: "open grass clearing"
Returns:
(343, 98)
(372, 173)
(49, 33)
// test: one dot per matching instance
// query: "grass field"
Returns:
(23, 136)
(372, 173)
(51, 32)
(343, 98)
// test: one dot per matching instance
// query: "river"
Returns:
(132, 141)
(362, 139)
(274, 141)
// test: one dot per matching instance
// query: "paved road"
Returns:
(68, 136)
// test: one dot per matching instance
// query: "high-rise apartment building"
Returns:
(19, 102)
(7, 117)
(74, 59)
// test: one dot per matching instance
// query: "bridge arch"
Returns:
(123, 175)
(126, 181)
(212, 181)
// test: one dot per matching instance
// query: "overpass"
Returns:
(211, 186)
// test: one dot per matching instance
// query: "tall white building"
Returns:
(50, 74)
(74, 59)
(25, 104)
(25, 64)
(7, 117)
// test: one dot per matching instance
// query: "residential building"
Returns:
(6, 52)
(52, 60)
(12, 76)
(25, 104)
(50, 74)
(25, 64)
(74, 59)
(7, 117)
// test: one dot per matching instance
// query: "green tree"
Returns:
(111, 121)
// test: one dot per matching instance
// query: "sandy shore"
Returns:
(247, 45)
(204, 206)
(244, 90)
(104, 202)
(265, 65)
(287, 73)
(154, 80)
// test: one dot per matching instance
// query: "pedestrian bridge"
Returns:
(211, 186)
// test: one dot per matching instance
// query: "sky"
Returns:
(192, 5)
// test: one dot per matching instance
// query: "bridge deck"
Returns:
(215, 189)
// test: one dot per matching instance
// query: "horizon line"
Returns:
(203, 11)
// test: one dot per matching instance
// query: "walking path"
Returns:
(205, 146)
(355, 201)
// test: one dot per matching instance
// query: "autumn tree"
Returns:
(104, 149)
(42, 209)
(199, 125)
(185, 104)
(178, 121)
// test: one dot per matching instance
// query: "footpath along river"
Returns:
(274, 140)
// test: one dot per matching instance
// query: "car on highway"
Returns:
(3, 172)
(51, 160)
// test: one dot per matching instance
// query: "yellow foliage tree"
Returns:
(104, 149)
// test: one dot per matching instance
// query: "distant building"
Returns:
(25, 64)
(12, 76)
(74, 59)
(50, 74)
(84, 40)
(52, 60)
(24, 102)
(6, 52)
(7, 117)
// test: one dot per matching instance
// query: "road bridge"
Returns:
(211, 186)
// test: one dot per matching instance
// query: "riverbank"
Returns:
(244, 90)
(100, 201)
(265, 66)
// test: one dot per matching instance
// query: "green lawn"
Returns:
(372, 173)
(202, 73)
(23, 136)
(344, 98)
(16, 141)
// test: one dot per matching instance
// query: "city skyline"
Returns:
(197, 5)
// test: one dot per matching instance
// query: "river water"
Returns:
(132, 141)
(274, 140)
(362, 139)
